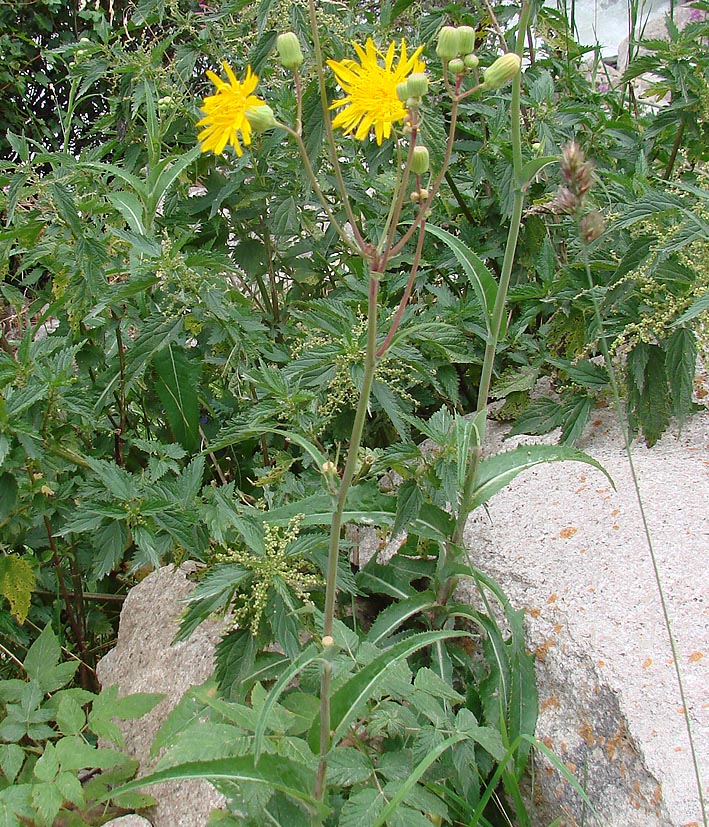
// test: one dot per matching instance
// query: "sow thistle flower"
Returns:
(232, 112)
(370, 86)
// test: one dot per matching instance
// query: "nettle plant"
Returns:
(367, 694)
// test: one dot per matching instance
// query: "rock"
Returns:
(656, 29)
(145, 661)
(128, 821)
(571, 551)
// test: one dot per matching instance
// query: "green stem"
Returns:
(498, 311)
(298, 138)
(370, 360)
(328, 125)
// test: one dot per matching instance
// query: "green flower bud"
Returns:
(289, 51)
(456, 66)
(502, 70)
(260, 118)
(466, 39)
(402, 91)
(417, 84)
(447, 47)
(471, 61)
(413, 103)
(420, 160)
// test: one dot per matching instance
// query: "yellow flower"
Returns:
(226, 112)
(370, 89)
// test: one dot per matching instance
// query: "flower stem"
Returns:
(370, 360)
(316, 187)
(407, 293)
(498, 311)
(319, 68)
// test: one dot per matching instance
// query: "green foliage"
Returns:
(50, 764)
(185, 348)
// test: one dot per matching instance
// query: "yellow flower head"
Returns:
(370, 88)
(225, 112)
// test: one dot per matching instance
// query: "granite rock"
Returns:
(144, 660)
(570, 550)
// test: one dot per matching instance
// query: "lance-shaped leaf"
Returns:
(481, 279)
(274, 771)
(498, 471)
(307, 656)
(365, 504)
(347, 702)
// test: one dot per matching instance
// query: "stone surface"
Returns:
(128, 821)
(572, 552)
(145, 661)
(656, 29)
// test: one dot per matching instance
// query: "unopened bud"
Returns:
(502, 70)
(417, 85)
(471, 61)
(420, 160)
(423, 194)
(402, 91)
(456, 66)
(328, 640)
(466, 39)
(289, 50)
(260, 118)
(447, 46)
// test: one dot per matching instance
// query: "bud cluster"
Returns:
(455, 47)
(411, 91)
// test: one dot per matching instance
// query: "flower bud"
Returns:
(289, 51)
(417, 85)
(471, 61)
(456, 66)
(402, 91)
(413, 103)
(423, 194)
(466, 39)
(260, 118)
(420, 160)
(502, 70)
(447, 47)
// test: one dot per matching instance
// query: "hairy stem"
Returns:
(370, 361)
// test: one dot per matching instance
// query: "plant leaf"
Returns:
(177, 386)
(273, 771)
(399, 612)
(498, 471)
(681, 362)
(348, 699)
(480, 278)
